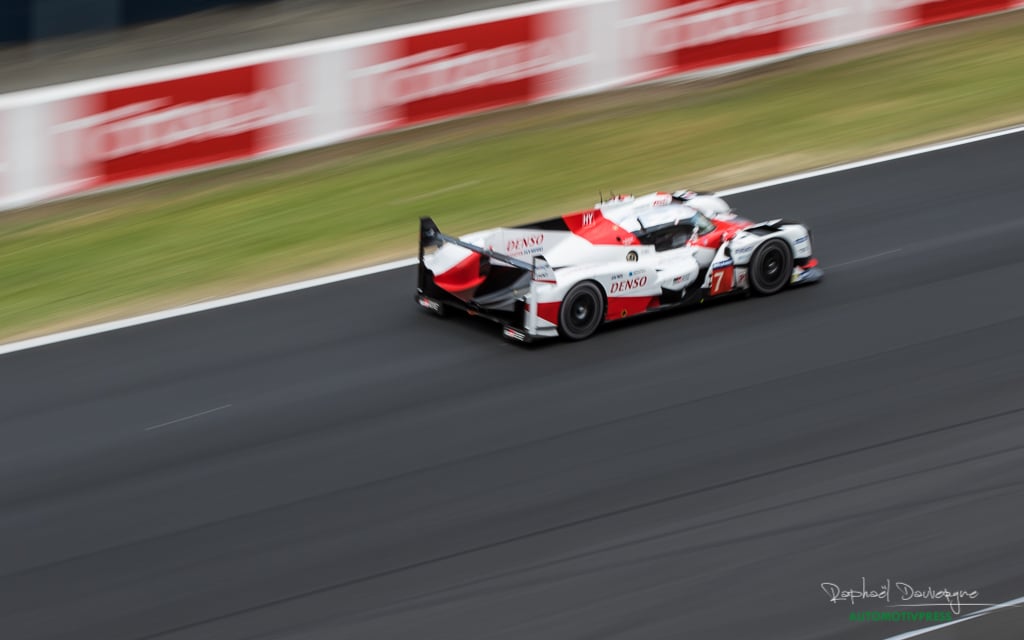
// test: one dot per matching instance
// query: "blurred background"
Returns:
(25, 20)
(290, 135)
(332, 464)
(51, 41)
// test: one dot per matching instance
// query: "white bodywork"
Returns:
(627, 271)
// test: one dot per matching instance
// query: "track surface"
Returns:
(380, 473)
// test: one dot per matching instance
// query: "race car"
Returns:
(624, 257)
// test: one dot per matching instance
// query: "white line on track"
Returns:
(184, 418)
(167, 314)
(977, 614)
(156, 316)
(856, 260)
(889, 157)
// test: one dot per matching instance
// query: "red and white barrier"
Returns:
(145, 125)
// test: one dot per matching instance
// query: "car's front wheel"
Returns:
(581, 312)
(770, 267)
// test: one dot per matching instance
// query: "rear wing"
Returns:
(521, 323)
(431, 236)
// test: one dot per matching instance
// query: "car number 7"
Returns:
(721, 280)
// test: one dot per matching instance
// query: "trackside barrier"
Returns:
(73, 138)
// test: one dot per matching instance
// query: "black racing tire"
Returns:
(770, 267)
(582, 311)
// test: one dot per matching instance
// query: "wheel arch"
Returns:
(601, 312)
(770, 287)
(604, 295)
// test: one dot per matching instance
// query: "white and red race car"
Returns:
(624, 257)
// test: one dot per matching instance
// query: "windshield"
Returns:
(701, 223)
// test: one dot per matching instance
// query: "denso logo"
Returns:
(150, 125)
(525, 244)
(628, 285)
(451, 69)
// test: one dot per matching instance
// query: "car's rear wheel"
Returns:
(582, 311)
(770, 267)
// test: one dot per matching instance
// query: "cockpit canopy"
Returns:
(671, 227)
(667, 221)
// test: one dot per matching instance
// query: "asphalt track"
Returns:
(334, 463)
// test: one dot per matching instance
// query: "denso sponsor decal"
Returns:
(176, 124)
(628, 284)
(525, 245)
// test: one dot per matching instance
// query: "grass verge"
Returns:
(111, 255)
